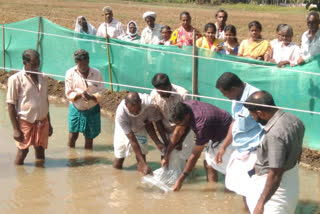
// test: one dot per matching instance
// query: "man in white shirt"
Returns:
(83, 88)
(134, 118)
(152, 33)
(310, 40)
(113, 27)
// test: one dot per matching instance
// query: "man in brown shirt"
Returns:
(28, 108)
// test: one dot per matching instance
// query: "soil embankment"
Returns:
(110, 100)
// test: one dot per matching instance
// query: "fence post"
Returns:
(194, 66)
(3, 49)
(108, 52)
(39, 31)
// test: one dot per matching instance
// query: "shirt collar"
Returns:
(273, 120)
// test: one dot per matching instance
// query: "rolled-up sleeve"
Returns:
(69, 90)
(13, 91)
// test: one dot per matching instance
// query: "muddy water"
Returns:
(79, 181)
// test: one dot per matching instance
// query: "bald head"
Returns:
(132, 98)
(263, 98)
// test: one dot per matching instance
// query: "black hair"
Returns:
(232, 29)
(26, 56)
(166, 27)
(160, 80)
(255, 24)
(185, 13)
(313, 13)
(260, 97)
(80, 55)
(178, 112)
(228, 80)
(210, 25)
(222, 11)
(132, 98)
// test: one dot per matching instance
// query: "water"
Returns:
(79, 181)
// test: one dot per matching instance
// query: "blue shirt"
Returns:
(246, 132)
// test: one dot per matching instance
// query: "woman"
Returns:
(209, 40)
(285, 52)
(132, 33)
(231, 45)
(274, 42)
(83, 26)
(255, 47)
(183, 36)
(166, 35)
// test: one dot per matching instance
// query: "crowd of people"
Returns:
(257, 147)
(218, 37)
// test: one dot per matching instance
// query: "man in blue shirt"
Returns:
(236, 158)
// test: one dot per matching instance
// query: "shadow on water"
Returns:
(104, 147)
(152, 165)
(308, 206)
(74, 162)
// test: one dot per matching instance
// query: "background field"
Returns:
(64, 12)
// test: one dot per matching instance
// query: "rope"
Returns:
(162, 51)
(191, 95)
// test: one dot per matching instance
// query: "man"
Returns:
(164, 100)
(134, 117)
(207, 122)
(275, 183)
(84, 88)
(113, 27)
(152, 33)
(28, 108)
(235, 158)
(310, 40)
(221, 17)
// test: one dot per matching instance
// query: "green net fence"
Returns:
(135, 64)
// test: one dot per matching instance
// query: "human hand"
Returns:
(144, 168)
(165, 161)
(87, 96)
(219, 48)
(161, 147)
(300, 61)
(230, 51)
(219, 155)
(18, 135)
(177, 185)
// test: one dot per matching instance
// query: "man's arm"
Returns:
(175, 138)
(152, 133)
(162, 131)
(137, 150)
(196, 152)
(226, 142)
(17, 134)
(271, 186)
(50, 126)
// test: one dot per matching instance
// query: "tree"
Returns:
(310, 3)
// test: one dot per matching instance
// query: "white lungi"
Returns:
(237, 177)
(211, 153)
(284, 200)
(121, 143)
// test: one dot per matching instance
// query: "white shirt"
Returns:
(274, 42)
(286, 53)
(75, 84)
(164, 104)
(115, 29)
(310, 48)
(135, 123)
(151, 36)
(219, 35)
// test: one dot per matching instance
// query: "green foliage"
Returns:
(312, 2)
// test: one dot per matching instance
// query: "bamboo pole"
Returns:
(39, 31)
(194, 66)
(108, 52)
(3, 48)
